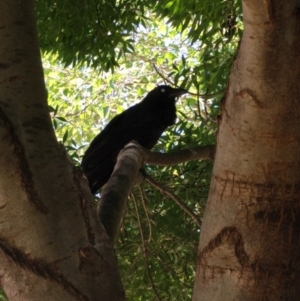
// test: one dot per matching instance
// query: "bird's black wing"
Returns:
(136, 123)
(112, 137)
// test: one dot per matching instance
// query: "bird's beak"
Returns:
(178, 92)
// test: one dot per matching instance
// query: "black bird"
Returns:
(143, 122)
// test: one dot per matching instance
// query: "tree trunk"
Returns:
(250, 239)
(52, 246)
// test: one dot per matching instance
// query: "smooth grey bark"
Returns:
(250, 239)
(52, 246)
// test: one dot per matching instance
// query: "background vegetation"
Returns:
(99, 58)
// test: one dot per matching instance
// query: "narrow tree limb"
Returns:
(166, 190)
(146, 212)
(145, 250)
(162, 76)
(185, 155)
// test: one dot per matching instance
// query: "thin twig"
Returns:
(146, 212)
(165, 190)
(76, 114)
(207, 115)
(144, 247)
(139, 220)
(173, 84)
(198, 103)
(131, 268)
(168, 269)
(204, 111)
(162, 76)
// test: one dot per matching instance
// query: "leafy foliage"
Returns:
(3, 296)
(193, 47)
(94, 32)
(100, 33)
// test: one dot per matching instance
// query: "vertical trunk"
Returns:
(250, 239)
(52, 246)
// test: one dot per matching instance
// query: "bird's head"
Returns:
(165, 92)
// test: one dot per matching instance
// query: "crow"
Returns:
(143, 122)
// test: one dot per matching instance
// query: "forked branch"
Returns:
(123, 178)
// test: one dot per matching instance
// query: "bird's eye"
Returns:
(162, 90)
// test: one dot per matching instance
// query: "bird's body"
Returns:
(143, 122)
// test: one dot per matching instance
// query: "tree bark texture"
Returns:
(250, 239)
(116, 190)
(125, 175)
(52, 245)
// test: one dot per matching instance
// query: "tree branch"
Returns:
(173, 84)
(118, 187)
(166, 190)
(146, 212)
(185, 155)
(145, 251)
(123, 178)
